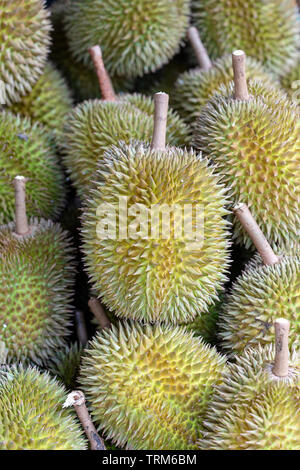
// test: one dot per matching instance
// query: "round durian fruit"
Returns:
(291, 82)
(194, 88)
(156, 272)
(32, 416)
(259, 295)
(256, 147)
(48, 102)
(268, 30)
(24, 45)
(136, 37)
(148, 386)
(95, 125)
(27, 149)
(252, 411)
(37, 280)
(64, 365)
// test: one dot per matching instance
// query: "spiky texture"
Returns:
(251, 410)
(48, 102)
(291, 82)
(267, 30)
(259, 296)
(148, 387)
(31, 413)
(27, 150)
(37, 277)
(65, 365)
(24, 44)
(136, 37)
(93, 126)
(194, 88)
(156, 275)
(256, 147)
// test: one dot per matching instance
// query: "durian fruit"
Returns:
(148, 386)
(149, 267)
(32, 416)
(95, 125)
(24, 45)
(64, 365)
(27, 149)
(291, 82)
(136, 36)
(253, 138)
(267, 30)
(256, 407)
(268, 287)
(48, 102)
(194, 88)
(37, 279)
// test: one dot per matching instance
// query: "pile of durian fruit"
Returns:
(154, 342)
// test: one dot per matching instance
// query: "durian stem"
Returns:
(105, 84)
(281, 364)
(22, 227)
(81, 327)
(97, 309)
(161, 102)
(77, 399)
(245, 217)
(239, 74)
(199, 48)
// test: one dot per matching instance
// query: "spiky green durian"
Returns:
(291, 82)
(156, 272)
(256, 147)
(136, 37)
(31, 413)
(267, 30)
(258, 296)
(93, 126)
(65, 365)
(194, 88)
(251, 409)
(37, 278)
(24, 45)
(48, 102)
(27, 149)
(148, 387)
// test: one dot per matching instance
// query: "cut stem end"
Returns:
(22, 227)
(161, 102)
(105, 84)
(239, 74)
(281, 364)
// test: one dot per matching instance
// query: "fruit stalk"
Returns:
(105, 84)
(239, 73)
(22, 227)
(281, 364)
(199, 49)
(161, 102)
(245, 217)
(97, 309)
(81, 327)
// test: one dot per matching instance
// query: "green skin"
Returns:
(64, 365)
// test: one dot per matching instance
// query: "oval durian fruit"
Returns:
(32, 416)
(267, 30)
(48, 102)
(136, 36)
(256, 146)
(252, 409)
(24, 45)
(148, 386)
(27, 149)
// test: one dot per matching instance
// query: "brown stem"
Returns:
(81, 327)
(245, 217)
(161, 102)
(22, 227)
(199, 48)
(77, 399)
(281, 364)
(105, 84)
(97, 309)
(239, 74)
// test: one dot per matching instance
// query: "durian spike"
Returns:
(281, 364)
(161, 102)
(105, 84)
(239, 74)
(81, 327)
(245, 217)
(22, 227)
(97, 309)
(199, 48)
(77, 399)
